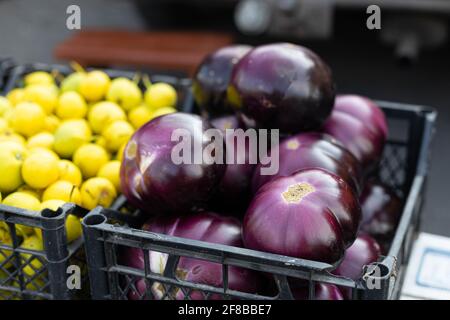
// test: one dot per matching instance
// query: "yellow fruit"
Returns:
(5, 239)
(100, 141)
(62, 190)
(111, 171)
(72, 82)
(116, 134)
(94, 85)
(51, 123)
(71, 105)
(103, 113)
(5, 105)
(119, 154)
(125, 93)
(43, 140)
(97, 192)
(12, 155)
(34, 263)
(32, 192)
(39, 77)
(27, 119)
(160, 95)
(44, 95)
(4, 127)
(39, 170)
(43, 151)
(26, 201)
(163, 111)
(139, 116)
(15, 96)
(73, 224)
(9, 135)
(69, 172)
(90, 158)
(70, 135)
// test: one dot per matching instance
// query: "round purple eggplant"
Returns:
(309, 150)
(360, 125)
(150, 178)
(282, 86)
(312, 214)
(212, 78)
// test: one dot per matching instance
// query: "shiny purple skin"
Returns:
(151, 181)
(234, 189)
(204, 226)
(282, 86)
(364, 251)
(312, 214)
(381, 212)
(212, 78)
(323, 291)
(360, 125)
(308, 150)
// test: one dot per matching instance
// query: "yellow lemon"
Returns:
(43, 151)
(139, 116)
(71, 105)
(51, 123)
(89, 158)
(39, 170)
(97, 192)
(15, 96)
(12, 155)
(103, 113)
(72, 82)
(26, 201)
(119, 154)
(44, 95)
(125, 93)
(4, 126)
(94, 85)
(163, 111)
(116, 134)
(111, 171)
(73, 224)
(62, 190)
(5, 105)
(39, 77)
(70, 135)
(160, 95)
(9, 135)
(32, 192)
(69, 172)
(34, 263)
(43, 140)
(100, 141)
(27, 119)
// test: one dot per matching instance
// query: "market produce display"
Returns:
(310, 208)
(60, 141)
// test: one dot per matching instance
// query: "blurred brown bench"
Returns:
(168, 50)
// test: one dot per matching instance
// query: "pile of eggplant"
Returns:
(324, 203)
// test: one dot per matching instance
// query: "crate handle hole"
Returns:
(94, 219)
(48, 213)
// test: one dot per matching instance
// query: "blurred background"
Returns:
(407, 60)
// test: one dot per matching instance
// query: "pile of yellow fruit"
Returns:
(62, 141)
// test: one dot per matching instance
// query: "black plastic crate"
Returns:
(5, 65)
(403, 167)
(51, 276)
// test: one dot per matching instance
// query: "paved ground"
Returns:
(30, 29)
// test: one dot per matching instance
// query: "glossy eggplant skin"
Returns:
(282, 86)
(312, 150)
(153, 182)
(212, 78)
(233, 193)
(381, 209)
(203, 226)
(323, 291)
(360, 125)
(312, 214)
